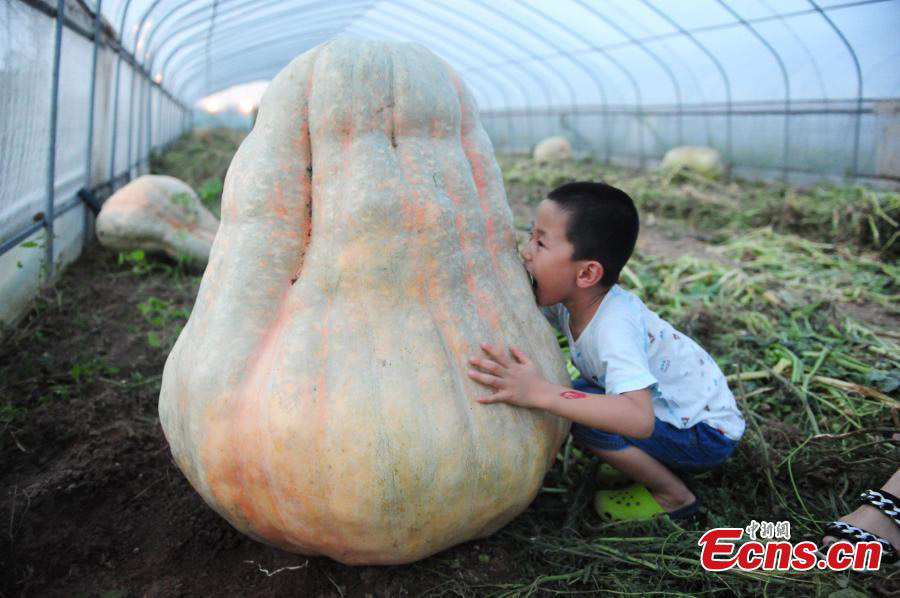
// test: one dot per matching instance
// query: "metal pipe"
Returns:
(786, 144)
(637, 24)
(547, 41)
(635, 87)
(115, 123)
(653, 56)
(51, 154)
(88, 165)
(729, 151)
(859, 87)
(250, 35)
(432, 36)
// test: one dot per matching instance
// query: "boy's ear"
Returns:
(590, 273)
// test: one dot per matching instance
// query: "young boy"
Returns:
(650, 400)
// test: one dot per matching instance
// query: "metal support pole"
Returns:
(51, 157)
(90, 133)
(859, 86)
(140, 128)
(131, 94)
(115, 124)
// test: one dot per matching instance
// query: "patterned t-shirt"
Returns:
(626, 347)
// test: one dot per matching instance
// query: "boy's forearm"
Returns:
(628, 414)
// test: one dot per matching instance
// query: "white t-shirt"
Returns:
(626, 347)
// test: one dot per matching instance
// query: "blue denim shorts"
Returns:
(696, 449)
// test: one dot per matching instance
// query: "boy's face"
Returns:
(548, 255)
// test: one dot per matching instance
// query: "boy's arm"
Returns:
(517, 382)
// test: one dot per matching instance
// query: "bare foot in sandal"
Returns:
(882, 521)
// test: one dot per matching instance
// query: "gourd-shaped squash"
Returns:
(160, 214)
(317, 398)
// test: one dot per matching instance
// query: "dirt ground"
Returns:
(92, 503)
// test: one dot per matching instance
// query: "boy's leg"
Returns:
(668, 490)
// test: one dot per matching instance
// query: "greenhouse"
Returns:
(295, 297)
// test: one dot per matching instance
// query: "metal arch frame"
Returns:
(859, 85)
(317, 34)
(115, 126)
(653, 56)
(587, 71)
(246, 29)
(381, 33)
(155, 53)
(189, 44)
(637, 91)
(187, 70)
(50, 203)
(135, 66)
(564, 81)
(281, 62)
(430, 18)
(152, 57)
(141, 91)
(517, 62)
(185, 26)
(684, 64)
(147, 54)
(787, 86)
(745, 23)
(728, 104)
(539, 82)
(89, 150)
(702, 29)
(812, 59)
(473, 38)
(230, 12)
(529, 113)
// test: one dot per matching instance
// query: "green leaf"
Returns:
(153, 340)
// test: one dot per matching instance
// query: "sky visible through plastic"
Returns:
(530, 53)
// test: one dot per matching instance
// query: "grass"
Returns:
(200, 158)
(864, 218)
(818, 388)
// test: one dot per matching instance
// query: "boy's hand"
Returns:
(516, 381)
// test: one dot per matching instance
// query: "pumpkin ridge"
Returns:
(414, 212)
(480, 179)
(236, 467)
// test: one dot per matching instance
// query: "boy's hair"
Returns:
(603, 224)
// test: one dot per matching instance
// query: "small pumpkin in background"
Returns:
(701, 160)
(317, 398)
(159, 214)
(552, 149)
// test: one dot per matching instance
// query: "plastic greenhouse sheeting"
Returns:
(794, 89)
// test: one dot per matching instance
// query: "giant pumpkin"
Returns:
(160, 214)
(317, 397)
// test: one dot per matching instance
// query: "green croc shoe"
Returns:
(610, 477)
(635, 503)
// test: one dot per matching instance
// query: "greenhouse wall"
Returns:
(27, 70)
(819, 136)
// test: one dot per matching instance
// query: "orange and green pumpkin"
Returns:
(318, 398)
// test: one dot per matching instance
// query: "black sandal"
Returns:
(885, 502)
